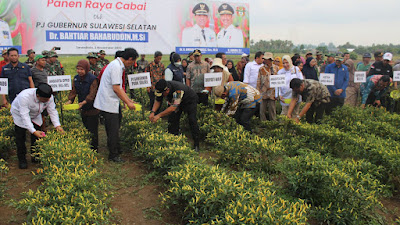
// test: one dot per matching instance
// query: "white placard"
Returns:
(276, 81)
(139, 80)
(60, 83)
(360, 77)
(396, 75)
(212, 79)
(327, 78)
(4, 86)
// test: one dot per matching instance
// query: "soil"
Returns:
(135, 190)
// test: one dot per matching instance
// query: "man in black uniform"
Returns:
(382, 67)
(181, 98)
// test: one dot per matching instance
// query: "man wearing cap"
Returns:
(108, 98)
(39, 73)
(142, 63)
(26, 111)
(320, 60)
(180, 98)
(31, 58)
(241, 65)
(252, 68)
(103, 61)
(195, 77)
(18, 74)
(199, 35)
(365, 65)
(190, 57)
(229, 35)
(308, 55)
(54, 66)
(263, 86)
(378, 55)
(5, 60)
(382, 67)
(240, 101)
(157, 72)
(338, 90)
(95, 67)
(329, 60)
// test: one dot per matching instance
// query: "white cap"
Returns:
(244, 55)
(388, 56)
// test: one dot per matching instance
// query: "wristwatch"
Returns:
(299, 117)
(151, 111)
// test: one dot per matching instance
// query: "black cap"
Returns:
(200, 9)
(378, 54)
(226, 9)
(196, 52)
(367, 55)
(44, 90)
(161, 86)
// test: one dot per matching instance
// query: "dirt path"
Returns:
(17, 181)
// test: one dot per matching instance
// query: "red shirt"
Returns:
(2, 63)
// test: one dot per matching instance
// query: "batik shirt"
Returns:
(156, 73)
(240, 95)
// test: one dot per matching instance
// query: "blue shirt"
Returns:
(18, 78)
(341, 79)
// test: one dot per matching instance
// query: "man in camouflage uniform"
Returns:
(31, 58)
(95, 67)
(102, 60)
(54, 66)
(142, 63)
(314, 94)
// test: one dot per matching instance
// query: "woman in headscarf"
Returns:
(278, 62)
(284, 94)
(232, 70)
(309, 69)
(174, 71)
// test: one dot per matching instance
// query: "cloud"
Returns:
(313, 21)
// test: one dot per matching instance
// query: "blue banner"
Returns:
(213, 50)
(7, 47)
(96, 36)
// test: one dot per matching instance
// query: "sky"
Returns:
(360, 22)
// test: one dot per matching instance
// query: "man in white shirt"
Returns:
(199, 35)
(252, 68)
(5, 35)
(26, 110)
(107, 100)
(229, 36)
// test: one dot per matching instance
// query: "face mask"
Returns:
(177, 64)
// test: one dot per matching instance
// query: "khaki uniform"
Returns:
(267, 93)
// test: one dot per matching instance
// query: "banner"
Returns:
(82, 26)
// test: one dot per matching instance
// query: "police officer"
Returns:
(95, 67)
(102, 60)
(229, 36)
(181, 98)
(31, 58)
(199, 35)
(382, 67)
(54, 66)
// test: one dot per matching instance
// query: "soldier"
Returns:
(95, 67)
(199, 35)
(53, 66)
(31, 58)
(142, 63)
(229, 36)
(103, 61)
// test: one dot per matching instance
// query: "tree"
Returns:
(323, 49)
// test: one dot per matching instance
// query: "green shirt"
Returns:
(362, 67)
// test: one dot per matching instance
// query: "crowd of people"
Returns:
(245, 90)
